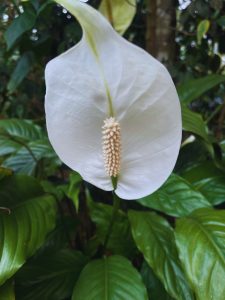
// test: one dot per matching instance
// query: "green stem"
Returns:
(214, 113)
(116, 206)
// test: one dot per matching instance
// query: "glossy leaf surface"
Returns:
(50, 277)
(176, 197)
(192, 89)
(22, 232)
(110, 278)
(194, 123)
(200, 238)
(155, 239)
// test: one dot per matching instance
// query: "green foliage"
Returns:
(193, 122)
(200, 239)
(25, 148)
(155, 239)
(60, 238)
(31, 216)
(19, 26)
(120, 241)
(110, 278)
(176, 198)
(53, 275)
(119, 13)
(22, 69)
(7, 291)
(194, 88)
(202, 29)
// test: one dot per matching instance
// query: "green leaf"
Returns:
(50, 277)
(27, 145)
(7, 291)
(213, 189)
(154, 286)
(191, 90)
(221, 21)
(20, 130)
(32, 217)
(176, 197)
(18, 188)
(44, 6)
(119, 13)
(26, 158)
(155, 239)
(200, 239)
(120, 241)
(19, 26)
(74, 189)
(23, 67)
(202, 29)
(202, 170)
(194, 123)
(110, 278)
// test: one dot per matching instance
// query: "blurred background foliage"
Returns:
(52, 223)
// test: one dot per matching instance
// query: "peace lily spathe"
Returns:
(106, 79)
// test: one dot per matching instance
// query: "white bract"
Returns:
(103, 77)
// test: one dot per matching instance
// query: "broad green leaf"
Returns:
(187, 160)
(19, 130)
(7, 291)
(120, 241)
(194, 123)
(32, 217)
(191, 90)
(27, 144)
(26, 158)
(200, 238)
(155, 239)
(120, 13)
(154, 286)
(19, 26)
(110, 278)
(50, 277)
(205, 169)
(176, 197)
(202, 29)
(213, 189)
(19, 188)
(21, 70)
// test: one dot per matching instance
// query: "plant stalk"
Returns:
(116, 206)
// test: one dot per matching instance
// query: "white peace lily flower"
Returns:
(107, 82)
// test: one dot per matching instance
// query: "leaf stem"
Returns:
(116, 206)
(214, 113)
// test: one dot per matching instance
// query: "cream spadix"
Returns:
(106, 78)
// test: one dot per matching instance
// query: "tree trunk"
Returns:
(160, 32)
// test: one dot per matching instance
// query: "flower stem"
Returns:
(116, 206)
